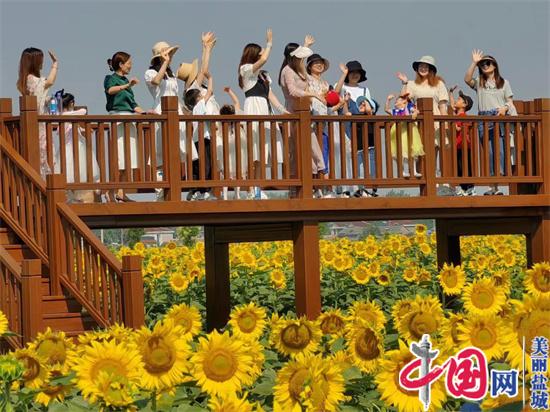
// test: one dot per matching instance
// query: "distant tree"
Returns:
(324, 229)
(132, 236)
(187, 235)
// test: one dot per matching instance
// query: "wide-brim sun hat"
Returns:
(429, 60)
(302, 52)
(485, 58)
(188, 72)
(355, 66)
(317, 58)
(160, 47)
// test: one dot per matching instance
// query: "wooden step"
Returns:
(19, 252)
(60, 304)
(68, 322)
(45, 286)
(7, 237)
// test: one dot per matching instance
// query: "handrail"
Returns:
(35, 178)
(11, 297)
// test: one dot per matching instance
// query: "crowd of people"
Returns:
(300, 75)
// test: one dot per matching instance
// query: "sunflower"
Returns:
(52, 347)
(452, 279)
(164, 352)
(421, 229)
(35, 374)
(116, 390)
(361, 274)
(256, 350)
(387, 381)
(332, 322)
(400, 309)
(221, 363)
(537, 279)
(450, 332)
(383, 278)
(487, 333)
(482, 297)
(502, 279)
(508, 259)
(178, 282)
(50, 391)
(425, 316)
(410, 274)
(368, 311)
(231, 403)
(117, 360)
(248, 321)
(3, 323)
(308, 381)
(371, 250)
(278, 279)
(425, 249)
(365, 345)
(188, 317)
(293, 336)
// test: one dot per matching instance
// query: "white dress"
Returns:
(36, 86)
(256, 105)
(167, 87)
(82, 153)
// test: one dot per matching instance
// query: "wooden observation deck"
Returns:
(55, 271)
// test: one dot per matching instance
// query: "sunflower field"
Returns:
(378, 296)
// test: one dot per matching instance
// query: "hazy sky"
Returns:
(385, 36)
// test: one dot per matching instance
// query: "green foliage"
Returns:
(187, 235)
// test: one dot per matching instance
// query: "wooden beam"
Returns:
(133, 305)
(307, 269)
(31, 297)
(448, 245)
(538, 242)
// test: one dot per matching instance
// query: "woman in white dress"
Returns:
(161, 82)
(32, 84)
(259, 100)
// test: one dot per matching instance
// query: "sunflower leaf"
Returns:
(265, 388)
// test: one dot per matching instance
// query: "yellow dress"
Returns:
(417, 149)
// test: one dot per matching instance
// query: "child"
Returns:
(68, 103)
(460, 107)
(405, 107)
(233, 109)
(196, 102)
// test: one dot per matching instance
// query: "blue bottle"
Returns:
(53, 106)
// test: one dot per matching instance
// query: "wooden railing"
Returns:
(18, 284)
(146, 152)
(110, 291)
(23, 200)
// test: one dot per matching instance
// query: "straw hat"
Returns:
(429, 60)
(160, 47)
(188, 72)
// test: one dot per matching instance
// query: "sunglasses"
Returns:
(486, 63)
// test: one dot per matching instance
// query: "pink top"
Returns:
(293, 87)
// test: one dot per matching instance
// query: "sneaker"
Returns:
(492, 192)
(190, 196)
(345, 195)
(471, 191)
(498, 193)
(417, 174)
(250, 195)
(194, 196)
(159, 194)
(259, 194)
(329, 195)
(459, 191)
(361, 193)
(406, 174)
(373, 193)
(317, 194)
(208, 196)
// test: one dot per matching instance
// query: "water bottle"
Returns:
(257, 192)
(53, 105)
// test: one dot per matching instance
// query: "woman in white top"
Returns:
(259, 100)
(161, 82)
(31, 83)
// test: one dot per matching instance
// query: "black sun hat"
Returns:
(355, 66)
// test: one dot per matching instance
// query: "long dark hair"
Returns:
(30, 63)
(499, 81)
(67, 98)
(157, 63)
(295, 64)
(118, 58)
(251, 54)
(289, 48)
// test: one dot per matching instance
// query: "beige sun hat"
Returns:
(188, 72)
(160, 47)
(429, 60)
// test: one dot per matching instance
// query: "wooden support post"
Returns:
(133, 306)
(538, 242)
(542, 107)
(303, 146)
(56, 193)
(171, 148)
(425, 105)
(448, 245)
(31, 296)
(5, 111)
(307, 269)
(218, 301)
(28, 108)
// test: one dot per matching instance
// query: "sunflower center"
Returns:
(109, 366)
(485, 338)
(331, 324)
(361, 274)
(158, 356)
(483, 299)
(220, 366)
(247, 322)
(366, 345)
(296, 336)
(296, 383)
(450, 279)
(454, 331)
(542, 281)
(422, 323)
(53, 349)
(32, 368)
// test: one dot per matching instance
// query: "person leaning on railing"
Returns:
(120, 100)
(30, 83)
(494, 98)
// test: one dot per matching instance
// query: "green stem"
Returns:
(154, 401)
